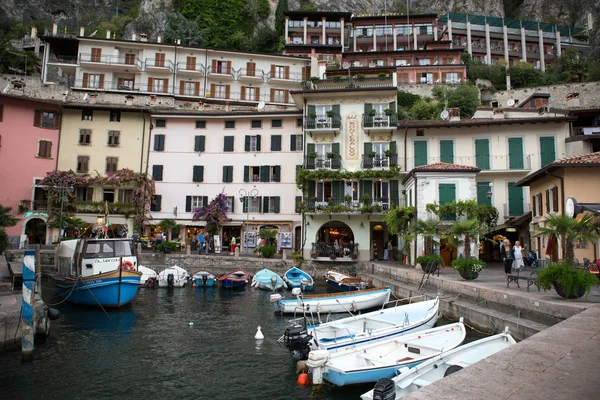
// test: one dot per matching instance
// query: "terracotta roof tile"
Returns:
(591, 158)
(584, 160)
(442, 166)
(414, 123)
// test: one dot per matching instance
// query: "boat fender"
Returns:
(43, 327)
(303, 379)
(301, 367)
(53, 313)
(354, 306)
(259, 335)
(452, 369)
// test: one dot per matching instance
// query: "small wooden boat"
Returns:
(204, 278)
(268, 280)
(381, 359)
(438, 367)
(296, 278)
(174, 276)
(149, 277)
(344, 282)
(336, 302)
(236, 278)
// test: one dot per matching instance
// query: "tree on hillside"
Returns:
(425, 109)
(524, 75)
(465, 97)
(264, 9)
(189, 32)
(282, 5)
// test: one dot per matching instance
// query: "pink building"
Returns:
(29, 134)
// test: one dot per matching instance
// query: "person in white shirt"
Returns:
(518, 263)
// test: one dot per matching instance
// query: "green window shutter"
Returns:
(336, 109)
(482, 154)
(277, 173)
(336, 163)
(276, 201)
(447, 151)
(447, 195)
(202, 143)
(367, 161)
(159, 142)
(368, 107)
(188, 203)
(297, 206)
(293, 143)
(368, 119)
(310, 148)
(394, 195)
(245, 204)
(275, 142)
(515, 200)
(547, 150)
(246, 173)
(392, 107)
(198, 174)
(257, 142)
(156, 203)
(482, 189)
(420, 148)
(310, 185)
(366, 187)
(225, 173)
(264, 173)
(515, 153)
(337, 190)
(394, 157)
(157, 172)
(199, 143)
(247, 143)
(232, 199)
(265, 208)
(204, 201)
(310, 121)
(336, 119)
(228, 143)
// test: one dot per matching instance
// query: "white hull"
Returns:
(180, 277)
(388, 322)
(147, 273)
(437, 367)
(344, 302)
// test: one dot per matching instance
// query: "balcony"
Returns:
(349, 83)
(380, 205)
(190, 69)
(63, 60)
(342, 252)
(283, 77)
(505, 164)
(379, 121)
(323, 123)
(115, 86)
(114, 63)
(221, 73)
(586, 130)
(250, 75)
(379, 161)
(515, 209)
(159, 65)
(322, 163)
(97, 207)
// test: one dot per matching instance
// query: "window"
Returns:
(126, 195)
(482, 154)
(250, 93)
(228, 143)
(420, 151)
(198, 173)
(252, 174)
(227, 173)
(447, 151)
(252, 204)
(280, 71)
(108, 195)
(156, 203)
(220, 92)
(158, 85)
(274, 173)
(96, 55)
(299, 122)
(125, 83)
(159, 142)
(113, 138)
(199, 143)
(221, 67)
(352, 190)
(552, 200)
(229, 124)
(271, 205)
(189, 88)
(381, 192)
(46, 119)
(198, 202)
(86, 115)
(83, 163)
(115, 116)
(279, 96)
(93, 81)
(157, 172)
(85, 136)
(275, 142)
(230, 203)
(451, 77)
(85, 194)
(161, 123)
(44, 149)
(537, 205)
(256, 123)
(276, 123)
(200, 124)
(190, 63)
(112, 164)
(252, 143)
(515, 200)
(130, 59)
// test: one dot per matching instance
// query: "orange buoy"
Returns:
(303, 379)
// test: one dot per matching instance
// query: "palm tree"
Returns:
(468, 228)
(428, 229)
(569, 230)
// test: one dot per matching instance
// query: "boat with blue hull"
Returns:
(382, 359)
(234, 279)
(296, 278)
(97, 272)
(203, 278)
(266, 279)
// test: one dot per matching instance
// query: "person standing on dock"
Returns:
(508, 256)
(200, 242)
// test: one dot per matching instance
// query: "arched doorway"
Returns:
(329, 234)
(36, 231)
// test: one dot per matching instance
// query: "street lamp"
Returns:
(489, 192)
(247, 194)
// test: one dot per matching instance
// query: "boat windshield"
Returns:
(107, 249)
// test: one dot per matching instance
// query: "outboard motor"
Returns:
(204, 279)
(170, 280)
(273, 282)
(296, 339)
(384, 390)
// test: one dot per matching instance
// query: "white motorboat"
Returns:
(148, 276)
(173, 277)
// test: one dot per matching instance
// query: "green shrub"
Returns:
(468, 264)
(424, 260)
(571, 279)
(298, 258)
(267, 251)
(167, 247)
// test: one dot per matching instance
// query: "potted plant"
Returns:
(314, 79)
(312, 115)
(330, 113)
(382, 76)
(371, 154)
(360, 77)
(429, 263)
(388, 111)
(298, 258)
(337, 78)
(331, 155)
(372, 112)
(568, 281)
(267, 251)
(469, 268)
(167, 247)
(389, 153)
(312, 155)
(347, 199)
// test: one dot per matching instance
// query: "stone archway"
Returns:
(327, 235)
(35, 229)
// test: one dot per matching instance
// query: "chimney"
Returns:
(33, 32)
(54, 29)
(158, 39)
(498, 114)
(108, 34)
(81, 31)
(133, 37)
(143, 37)
(453, 114)
(572, 100)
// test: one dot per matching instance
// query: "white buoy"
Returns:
(259, 335)
(191, 324)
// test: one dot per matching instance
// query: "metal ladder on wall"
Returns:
(429, 269)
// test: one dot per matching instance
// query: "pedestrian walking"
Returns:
(508, 256)
(200, 242)
(518, 263)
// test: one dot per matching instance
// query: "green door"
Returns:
(447, 195)
(447, 151)
(515, 200)
(420, 153)
(515, 153)
(547, 150)
(482, 190)
(482, 153)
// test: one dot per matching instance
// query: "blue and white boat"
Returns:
(204, 278)
(440, 366)
(268, 280)
(296, 278)
(345, 283)
(382, 359)
(97, 272)
(234, 279)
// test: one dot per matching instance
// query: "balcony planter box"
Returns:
(330, 114)
(372, 112)
(388, 112)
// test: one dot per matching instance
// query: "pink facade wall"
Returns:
(19, 163)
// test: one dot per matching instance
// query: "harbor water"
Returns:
(168, 343)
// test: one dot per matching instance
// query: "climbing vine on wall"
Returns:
(486, 215)
(305, 175)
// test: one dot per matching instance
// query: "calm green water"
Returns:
(148, 351)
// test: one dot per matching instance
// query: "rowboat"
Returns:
(438, 367)
(296, 278)
(149, 276)
(355, 330)
(204, 278)
(372, 361)
(343, 282)
(268, 280)
(335, 302)
(97, 272)
(174, 276)
(236, 278)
